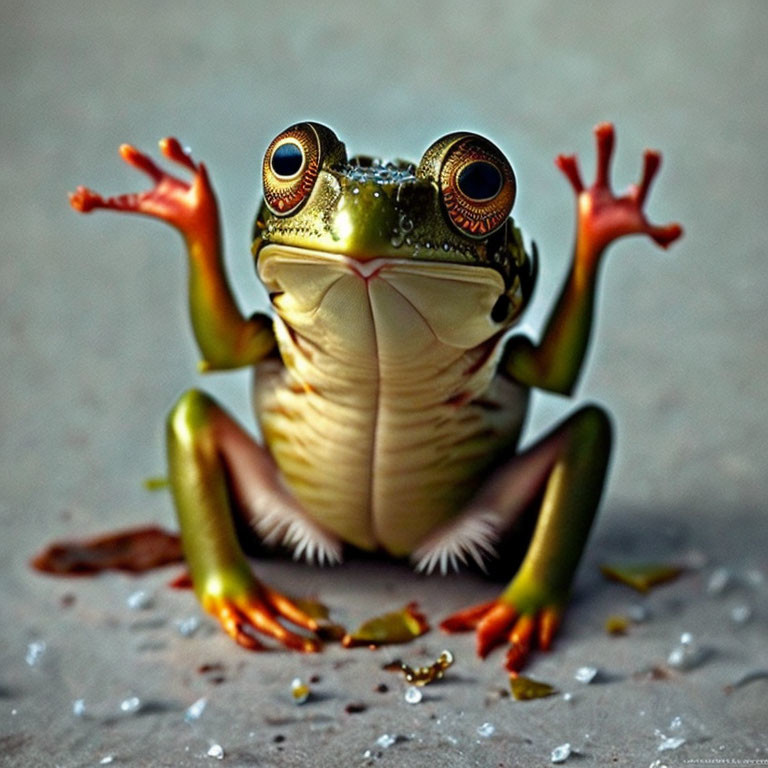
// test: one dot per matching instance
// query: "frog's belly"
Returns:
(386, 414)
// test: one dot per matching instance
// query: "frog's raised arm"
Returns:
(601, 218)
(225, 337)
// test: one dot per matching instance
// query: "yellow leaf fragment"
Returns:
(390, 628)
(328, 630)
(526, 688)
(641, 576)
(616, 625)
(158, 483)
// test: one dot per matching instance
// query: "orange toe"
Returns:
(492, 629)
(548, 626)
(466, 620)
(521, 640)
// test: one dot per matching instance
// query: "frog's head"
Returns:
(454, 207)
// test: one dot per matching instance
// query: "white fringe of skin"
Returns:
(278, 523)
(471, 535)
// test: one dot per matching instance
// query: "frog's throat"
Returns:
(383, 361)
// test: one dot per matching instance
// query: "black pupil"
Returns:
(287, 159)
(479, 180)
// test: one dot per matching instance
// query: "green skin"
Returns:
(206, 447)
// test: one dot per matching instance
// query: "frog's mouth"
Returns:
(323, 295)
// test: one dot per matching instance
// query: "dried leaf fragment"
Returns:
(616, 625)
(641, 576)
(328, 630)
(390, 628)
(135, 550)
(157, 483)
(526, 688)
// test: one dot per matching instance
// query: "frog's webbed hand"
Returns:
(213, 462)
(602, 218)
(566, 470)
(226, 338)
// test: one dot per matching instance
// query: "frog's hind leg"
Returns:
(211, 461)
(566, 469)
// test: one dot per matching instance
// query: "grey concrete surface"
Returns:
(95, 347)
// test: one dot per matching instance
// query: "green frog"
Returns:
(389, 389)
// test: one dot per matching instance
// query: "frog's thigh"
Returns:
(566, 469)
(211, 460)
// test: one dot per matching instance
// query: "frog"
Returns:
(390, 384)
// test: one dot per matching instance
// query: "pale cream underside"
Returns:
(371, 420)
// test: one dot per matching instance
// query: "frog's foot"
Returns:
(257, 609)
(188, 206)
(502, 621)
(214, 465)
(602, 216)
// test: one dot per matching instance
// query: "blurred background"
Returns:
(95, 343)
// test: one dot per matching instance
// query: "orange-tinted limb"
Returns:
(602, 218)
(225, 337)
(212, 461)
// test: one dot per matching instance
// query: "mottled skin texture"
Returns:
(389, 393)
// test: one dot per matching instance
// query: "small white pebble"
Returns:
(718, 582)
(585, 675)
(669, 742)
(413, 695)
(754, 577)
(195, 711)
(188, 626)
(139, 600)
(106, 760)
(687, 655)
(130, 705)
(562, 753)
(741, 614)
(35, 652)
(78, 707)
(486, 730)
(386, 740)
(568, 696)
(216, 751)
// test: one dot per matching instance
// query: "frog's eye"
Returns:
(291, 165)
(476, 182)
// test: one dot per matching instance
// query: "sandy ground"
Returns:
(95, 347)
